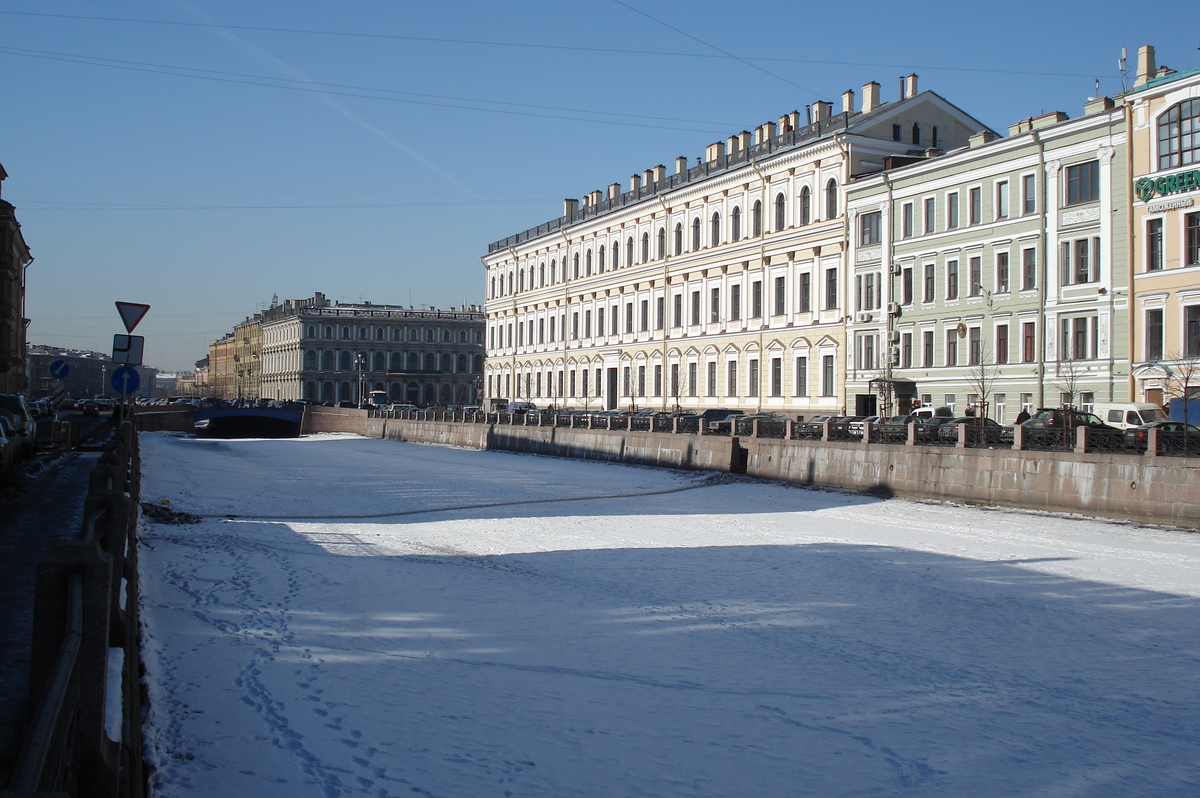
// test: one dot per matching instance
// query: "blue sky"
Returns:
(201, 156)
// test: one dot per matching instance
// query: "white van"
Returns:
(1125, 415)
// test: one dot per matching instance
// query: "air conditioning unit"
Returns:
(896, 268)
(893, 337)
(863, 317)
(894, 355)
(893, 308)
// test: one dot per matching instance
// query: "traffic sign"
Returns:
(59, 369)
(131, 314)
(128, 349)
(125, 380)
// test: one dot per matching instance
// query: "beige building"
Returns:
(1164, 114)
(722, 284)
(247, 358)
(14, 258)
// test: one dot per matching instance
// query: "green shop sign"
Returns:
(1147, 188)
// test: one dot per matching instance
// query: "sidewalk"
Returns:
(38, 510)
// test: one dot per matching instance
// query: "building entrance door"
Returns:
(610, 389)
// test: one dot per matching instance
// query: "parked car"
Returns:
(89, 408)
(840, 427)
(10, 449)
(856, 428)
(1058, 418)
(26, 425)
(815, 426)
(1139, 437)
(723, 425)
(948, 430)
(745, 423)
(1127, 415)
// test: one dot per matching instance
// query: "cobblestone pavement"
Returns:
(35, 510)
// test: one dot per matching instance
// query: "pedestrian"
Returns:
(1023, 416)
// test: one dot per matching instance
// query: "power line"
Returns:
(49, 205)
(535, 46)
(278, 83)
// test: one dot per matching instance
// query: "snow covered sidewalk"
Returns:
(366, 617)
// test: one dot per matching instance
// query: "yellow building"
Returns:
(720, 285)
(1164, 111)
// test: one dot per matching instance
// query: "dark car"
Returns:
(26, 425)
(89, 408)
(721, 423)
(1138, 437)
(948, 429)
(1058, 418)
(815, 426)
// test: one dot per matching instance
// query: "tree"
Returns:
(981, 379)
(1070, 373)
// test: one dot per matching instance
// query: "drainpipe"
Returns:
(891, 323)
(1131, 249)
(839, 140)
(516, 392)
(762, 257)
(666, 280)
(1044, 260)
(562, 332)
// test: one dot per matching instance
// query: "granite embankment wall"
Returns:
(1132, 487)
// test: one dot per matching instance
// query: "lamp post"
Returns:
(360, 363)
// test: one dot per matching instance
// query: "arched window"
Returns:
(645, 247)
(679, 238)
(831, 199)
(1179, 135)
(589, 263)
(780, 212)
(542, 275)
(510, 282)
(397, 361)
(492, 294)
(430, 335)
(575, 273)
(462, 364)
(714, 234)
(553, 265)
(695, 234)
(446, 336)
(521, 281)
(756, 219)
(805, 206)
(414, 361)
(343, 361)
(312, 331)
(310, 360)
(397, 334)
(380, 334)
(462, 336)
(430, 361)
(933, 138)
(629, 251)
(346, 333)
(380, 362)
(327, 361)
(616, 251)
(916, 130)
(328, 331)
(413, 335)
(600, 259)
(735, 224)
(662, 242)
(364, 334)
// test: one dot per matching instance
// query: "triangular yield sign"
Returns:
(131, 314)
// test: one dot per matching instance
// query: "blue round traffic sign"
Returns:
(59, 369)
(125, 380)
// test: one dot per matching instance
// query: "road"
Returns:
(366, 617)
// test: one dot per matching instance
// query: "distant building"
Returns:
(14, 258)
(88, 373)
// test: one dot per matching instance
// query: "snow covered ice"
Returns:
(366, 617)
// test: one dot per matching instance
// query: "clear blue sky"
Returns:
(202, 155)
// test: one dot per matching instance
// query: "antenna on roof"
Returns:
(1123, 68)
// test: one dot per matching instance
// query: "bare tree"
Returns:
(981, 379)
(1182, 378)
(1070, 373)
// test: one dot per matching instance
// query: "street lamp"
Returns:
(360, 363)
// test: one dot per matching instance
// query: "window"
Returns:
(715, 306)
(660, 312)
(575, 271)
(1078, 338)
(587, 324)
(677, 311)
(1001, 272)
(802, 376)
(831, 289)
(735, 224)
(827, 383)
(600, 259)
(897, 132)
(1028, 269)
(1191, 228)
(712, 379)
(1002, 200)
(1191, 330)
(951, 211)
(678, 238)
(641, 386)
(756, 300)
(831, 200)
(906, 286)
(752, 377)
(600, 323)
(868, 228)
(714, 234)
(930, 283)
(644, 315)
(805, 293)
(658, 386)
(696, 234)
(735, 302)
(927, 349)
(780, 212)
(1080, 261)
(780, 295)
(776, 376)
(1154, 245)
(628, 317)
(645, 247)
(695, 308)
(1028, 342)
(906, 350)
(1029, 194)
(975, 346)
(756, 219)
(1154, 334)
(662, 242)
(866, 351)
(628, 256)
(574, 326)
(951, 347)
(930, 215)
(975, 205)
(616, 251)
(906, 220)
(952, 279)
(731, 379)
(805, 206)
(1179, 135)
(916, 133)
(1083, 182)
(975, 268)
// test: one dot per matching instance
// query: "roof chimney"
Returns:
(744, 139)
(570, 207)
(1146, 68)
(848, 101)
(714, 152)
(681, 164)
(911, 84)
(635, 183)
(902, 94)
(648, 177)
(822, 111)
(660, 173)
(870, 99)
(614, 190)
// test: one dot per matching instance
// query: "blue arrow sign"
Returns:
(125, 380)
(59, 369)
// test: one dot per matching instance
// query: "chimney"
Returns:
(1146, 67)
(647, 178)
(1046, 120)
(785, 124)
(982, 137)
(714, 152)
(635, 183)
(570, 207)
(822, 111)
(596, 196)
(768, 131)
(902, 86)
(614, 190)
(1097, 104)
(660, 173)
(732, 144)
(681, 165)
(744, 139)
(870, 99)
(911, 84)
(848, 101)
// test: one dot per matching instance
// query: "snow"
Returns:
(366, 617)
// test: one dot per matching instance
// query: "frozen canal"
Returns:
(365, 617)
